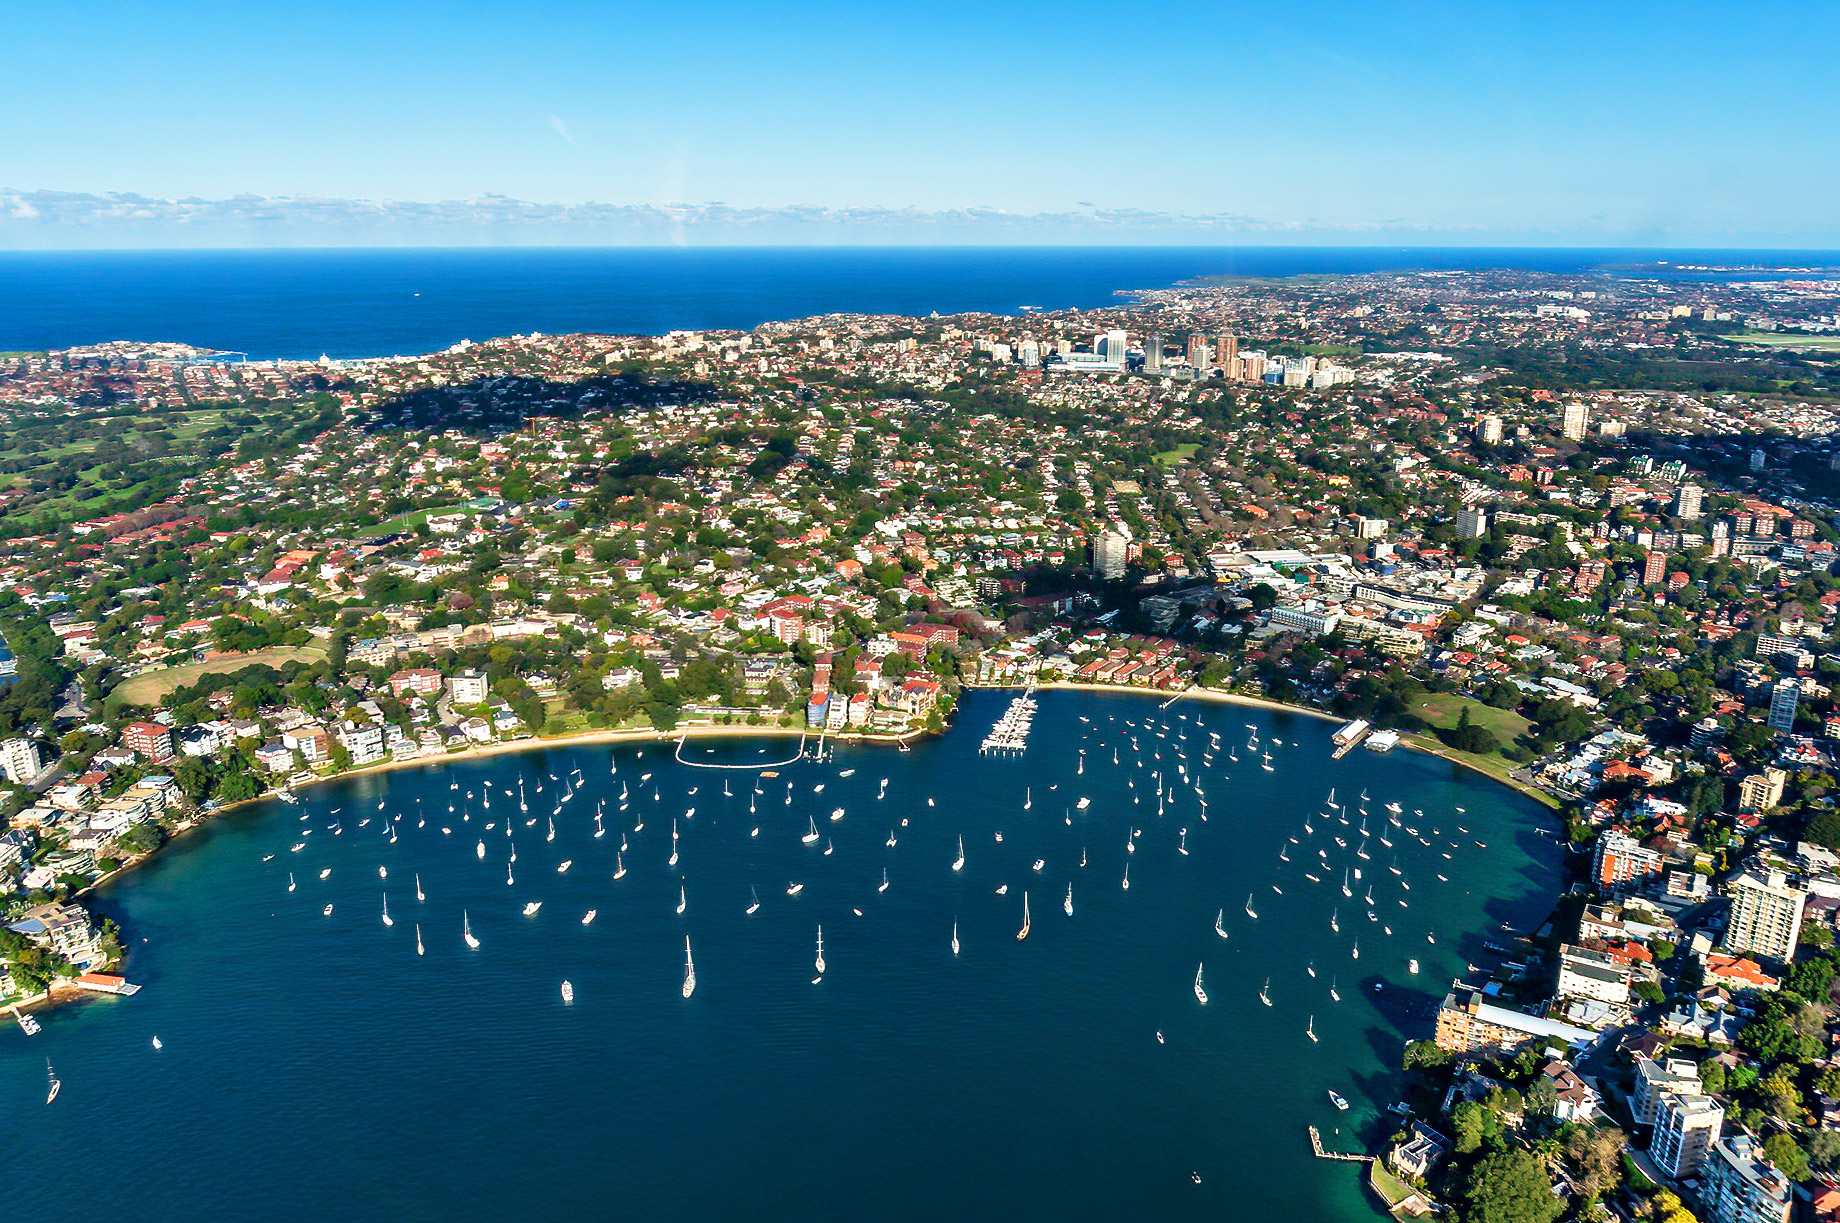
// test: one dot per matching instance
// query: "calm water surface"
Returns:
(316, 1067)
(368, 303)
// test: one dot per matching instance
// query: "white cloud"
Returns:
(59, 219)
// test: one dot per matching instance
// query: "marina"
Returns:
(1010, 736)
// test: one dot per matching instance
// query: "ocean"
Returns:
(314, 1066)
(366, 303)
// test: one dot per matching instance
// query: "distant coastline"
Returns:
(362, 303)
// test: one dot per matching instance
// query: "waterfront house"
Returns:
(1423, 1150)
(63, 928)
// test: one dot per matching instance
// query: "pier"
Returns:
(1349, 736)
(1011, 733)
(1316, 1145)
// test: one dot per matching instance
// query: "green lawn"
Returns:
(1775, 339)
(409, 521)
(149, 687)
(1181, 454)
(1442, 709)
(1391, 1189)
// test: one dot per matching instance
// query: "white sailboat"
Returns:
(1265, 992)
(418, 939)
(689, 969)
(1200, 994)
(958, 864)
(955, 937)
(619, 867)
(682, 900)
(812, 836)
(884, 885)
(291, 884)
(1220, 923)
(819, 962)
(754, 903)
(386, 910)
(1310, 1030)
(466, 930)
(1024, 932)
(1126, 885)
(52, 1086)
(1249, 910)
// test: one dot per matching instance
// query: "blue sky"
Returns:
(1626, 123)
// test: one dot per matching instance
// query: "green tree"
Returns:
(1789, 1158)
(238, 786)
(1471, 1125)
(1778, 1094)
(1824, 1150)
(1425, 1055)
(1509, 1187)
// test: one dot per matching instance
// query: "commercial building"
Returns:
(1655, 1081)
(468, 688)
(1116, 343)
(1110, 554)
(1490, 432)
(1585, 973)
(1623, 862)
(1574, 421)
(21, 760)
(1304, 619)
(1739, 1186)
(1784, 698)
(149, 739)
(1685, 1128)
(1226, 352)
(1761, 791)
(1766, 916)
(1472, 522)
(1689, 502)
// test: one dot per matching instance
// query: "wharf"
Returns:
(1316, 1145)
(1349, 737)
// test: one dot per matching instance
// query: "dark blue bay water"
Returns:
(364, 303)
(315, 1067)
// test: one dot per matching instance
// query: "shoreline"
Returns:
(1222, 696)
(588, 738)
(485, 751)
